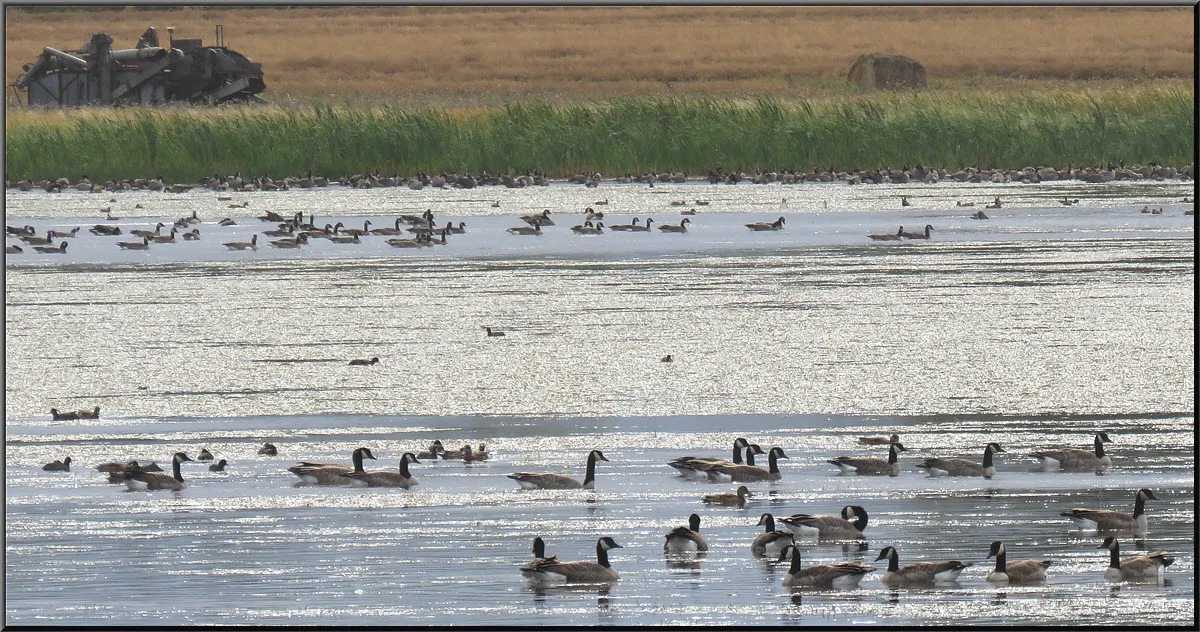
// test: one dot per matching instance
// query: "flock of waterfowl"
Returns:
(782, 544)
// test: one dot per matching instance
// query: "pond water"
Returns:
(1035, 329)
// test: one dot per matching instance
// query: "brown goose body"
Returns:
(920, 573)
(155, 481)
(686, 539)
(753, 474)
(878, 440)
(842, 575)
(530, 480)
(1022, 572)
(1150, 567)
(1114, 521)
(1076, 460)
(963, 467)
(735, 499)
(401, 478)
(58, 466)
(870, 466)
(692, 466)
(829, 527)
(330, 473)
(770, 542)
(552, 571)
(539, 558)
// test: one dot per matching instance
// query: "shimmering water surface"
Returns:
(1033, 329)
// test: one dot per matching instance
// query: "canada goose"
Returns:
(205, 455)
(750, 473)
(268, 449)
(61, 248)
(624, 226)
(961, 204)
(543, 219)
(995, 204)
(74, 414)
(666, 358)
(58, 466)
(110, 468)
(770, 542)
(59, 234)
(343, 239)
(34, 240)
(925, 235)
(362, 362)
(842, 575)
(433, 451)
(454, 455)
(472, 456)
(283, 231)
(686, 539)
(737, 499)
(920, 573)
(299, 240)
(194, 219)
(219, 466)
(550, 570)
(681, 227)
(979, 215)
(494, 333)
(92, 414)
(590, 214)
(867, 466)
(536, 229)
(904, 201)
(332, 474)
(760, 226)
(407, 243)
(963, 467)
(557, 481)
(888, 236)
(644, 228)
(151, 481)
(144, 244)
(101, 229)
(1104, 520)
(877, 440)
(696, 466)
(192, 235)
(147, 233)
(272, 216)
(25, 230)
(456, 230)
(12, 250)
(588, 229)
(829, 527)
(1076, 460)
(1148, 567)
(539, 557)
(1025, 571)
(601, 202)
(385, 478)
(243, 245)
(227, 222)
(388, 231)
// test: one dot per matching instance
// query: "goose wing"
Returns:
(576, 572)
(930, 572)
(826, 575)
(825, 525)
(953, 467)
(742, 473)
(1027, 570)
(1103, 518)
(152, 480)
(383, 479)
(862, 465)
(531, 480)
(1070, 458)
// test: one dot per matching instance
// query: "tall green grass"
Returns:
(1137, 126)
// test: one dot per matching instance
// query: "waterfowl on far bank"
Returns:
(878, 440)
(869, 466)
(963, 467)
(1022, 572)
(888, 236)
(494, 333)
(330, 473)
(736, 499)
(1074, 459)
(842, 575)
(1102, 520)
(528, 480)
(75, 414)
(1141, 568)
(386, 478)
(919, 573)
(666, 358)
(551, 571)
(58, 466)
(137, 480)
(363, 362)
(686, 539)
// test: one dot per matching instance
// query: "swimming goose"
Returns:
(539, 557)
(919, 573)
(751, 473)
(904, 201)
(363, 362)
(384, 478)
(343, 239)
(448, 455)
(829, 527)
(1024, 571)
(61, 248)
(473, 456)
(101, 229)
(219, 466)
(407, 243)
(243, 245)
(388, 231)
(770, 542)
(26, 230)
(227, 222)
(759, 226)
(1148, 567)
(205, 455)
(842, 575)
(979, 215)
(925, 235)
(963, 467)
(60, 234)
(433, 451)
(590, 214)
(995, 204)
(543, 219)
(299, 240)
(152, 481)
(536, 229)
(268, 449)
(867, 466)
(192, 235)
(34, 240)
(737, 499)
(332, 474)
(165, 239)
(681, 227)
(644, 228)
(877, 440)
(1104, 520)
(557, 481)
(551, 571)
(58, 466)
(587, 229)
(686, 539)
(888, 236)
(283, 231)
(461, 229)
(1076, 460)
(12, 250)
(147, 233)
(144, 244)
(691, 465)
(624, 226)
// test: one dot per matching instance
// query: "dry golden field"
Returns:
(488, 55)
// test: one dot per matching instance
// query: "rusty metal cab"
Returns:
(185, 70)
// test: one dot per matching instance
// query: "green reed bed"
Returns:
(625, 136)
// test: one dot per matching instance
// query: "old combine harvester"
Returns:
(186, 70)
